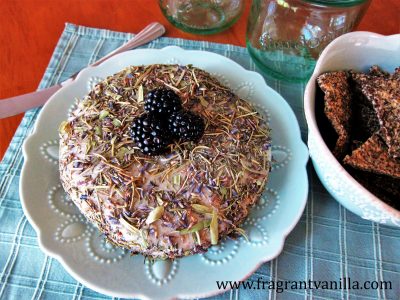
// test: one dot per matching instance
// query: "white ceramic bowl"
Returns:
(357, 51)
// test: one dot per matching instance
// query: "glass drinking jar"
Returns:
(202, 16)
(286, 37)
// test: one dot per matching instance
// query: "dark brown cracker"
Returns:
(377, 71)
(384, 93)
(337, 107)
(373, 156)
(396, 74)
(364, 121)
(384, 187)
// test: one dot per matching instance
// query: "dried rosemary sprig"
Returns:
(214, 228)
(197, 227)
(155, 214)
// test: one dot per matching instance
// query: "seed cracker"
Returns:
(364, 122)
(384, 93)
(337, 107)
(373, 156)
(384, 187)
(377, 71)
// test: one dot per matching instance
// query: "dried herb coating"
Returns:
(163, 206)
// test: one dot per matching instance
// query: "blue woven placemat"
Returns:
(328, 244)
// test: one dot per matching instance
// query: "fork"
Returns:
(19, 104)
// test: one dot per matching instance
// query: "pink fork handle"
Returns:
(19, 104)
(149, 33)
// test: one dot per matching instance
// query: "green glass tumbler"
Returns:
(286, 37)
(202, 16)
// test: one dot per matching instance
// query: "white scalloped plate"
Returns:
(64, 234)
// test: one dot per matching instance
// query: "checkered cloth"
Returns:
(329, 242)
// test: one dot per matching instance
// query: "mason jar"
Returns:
(202, 16)
(285, 37)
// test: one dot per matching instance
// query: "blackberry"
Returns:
(150, 134)
(186, 126)
(162, 101)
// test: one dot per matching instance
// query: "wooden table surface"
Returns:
(29, 30)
